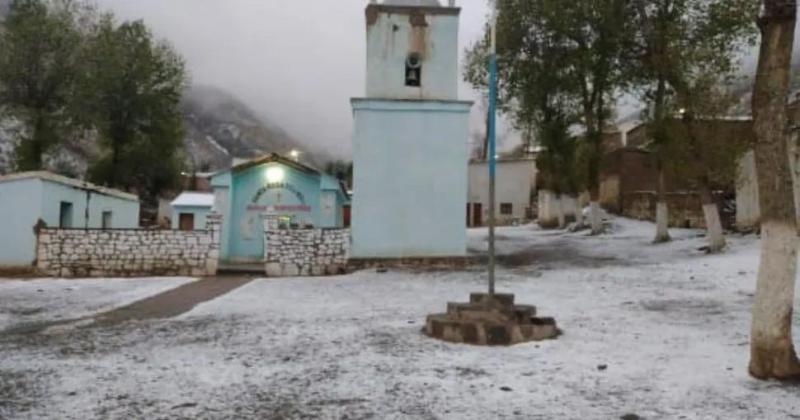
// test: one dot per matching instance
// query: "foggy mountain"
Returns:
(219, 127)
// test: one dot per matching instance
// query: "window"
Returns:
(506, 209)
(65, 215)
(186, 221)
(106, 222)
(414, 70)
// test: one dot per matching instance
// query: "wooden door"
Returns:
(186, 221)
(347, 215)
(477, 214)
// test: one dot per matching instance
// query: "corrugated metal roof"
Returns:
(75, 183)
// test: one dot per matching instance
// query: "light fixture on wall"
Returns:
(275, 175)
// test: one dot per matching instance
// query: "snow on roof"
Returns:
(70, 182)
(193, 199)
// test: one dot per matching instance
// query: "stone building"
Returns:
(60, 202)
(515, 189)
(410, 135)
(629, 177)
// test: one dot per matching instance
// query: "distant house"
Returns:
(58, 201)
(190, 209)
(515, 190)
(299, 193)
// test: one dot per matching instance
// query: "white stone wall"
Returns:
(304, 252)
(129, 252)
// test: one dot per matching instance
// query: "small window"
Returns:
(414, 70)
(186, 221)
(506, 209)
(65, 215)
(106, 222)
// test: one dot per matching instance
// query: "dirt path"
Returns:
(173, 302)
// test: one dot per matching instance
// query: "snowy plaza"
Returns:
(649, 331)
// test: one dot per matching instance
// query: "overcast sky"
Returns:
(297, 62)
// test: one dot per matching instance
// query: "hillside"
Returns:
(218, 127)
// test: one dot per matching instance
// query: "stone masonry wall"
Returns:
(304, 252)
(129, 252)
(685, 210)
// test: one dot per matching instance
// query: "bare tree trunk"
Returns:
(662, 210)
(772, 353)
(562, 217)
(716, 237)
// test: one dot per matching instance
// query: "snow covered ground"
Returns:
(25, 302)
(659, 332)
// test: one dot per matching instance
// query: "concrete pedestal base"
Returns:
(490, 321)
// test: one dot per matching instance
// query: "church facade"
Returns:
(300, 195)
(411, 135)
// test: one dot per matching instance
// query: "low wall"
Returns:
(304, 252)
(685, 209)
(550, 205)
(129, 252)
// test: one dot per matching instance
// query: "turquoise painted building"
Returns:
(301, 194)
(190, 210)
(410, 141)
(27, 197)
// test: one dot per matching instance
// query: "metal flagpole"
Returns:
(492, 133)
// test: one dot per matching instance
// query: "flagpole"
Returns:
(492, 134)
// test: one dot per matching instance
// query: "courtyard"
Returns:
(650, 332)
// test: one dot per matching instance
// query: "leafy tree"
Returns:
(706, 147)
(39, 56)
(598, 32)
(676, 42)
(340, 169)
(130, 91)
(562, 59)
(772, 353)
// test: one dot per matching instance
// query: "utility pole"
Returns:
(492, 134)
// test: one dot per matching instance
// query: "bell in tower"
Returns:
(413, 70)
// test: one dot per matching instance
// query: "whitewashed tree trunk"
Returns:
(716, 237)
(562, 217)
(772, 352)
(595, 218)
(578, 213)
(662, 222)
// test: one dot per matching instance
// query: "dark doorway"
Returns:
(186, 221)
(106, 222)
(347, 210)
(65, 215)
(477, 214)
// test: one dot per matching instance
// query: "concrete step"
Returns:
(506, 299)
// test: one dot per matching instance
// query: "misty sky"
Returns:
(297, 62)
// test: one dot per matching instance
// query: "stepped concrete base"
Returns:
(490, 321)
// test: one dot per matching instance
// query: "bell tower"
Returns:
(411, 135)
